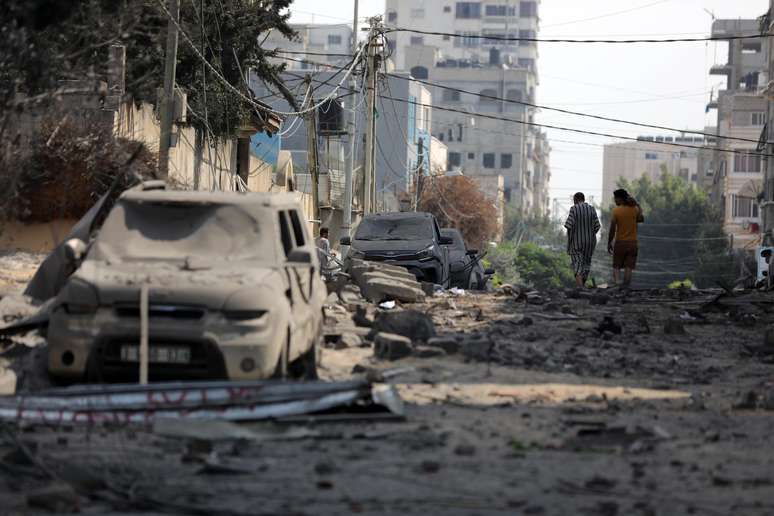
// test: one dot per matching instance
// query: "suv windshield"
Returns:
(404, 228)
(174, 231)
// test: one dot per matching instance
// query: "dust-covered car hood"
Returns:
(183, 283)
(402, 246)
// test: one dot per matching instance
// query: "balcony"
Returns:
(724, 69)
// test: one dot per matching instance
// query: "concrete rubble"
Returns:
(517, 402)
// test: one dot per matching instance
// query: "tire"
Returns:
(305, 366)
(282, 369)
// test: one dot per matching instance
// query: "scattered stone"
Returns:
(361, 317)
(428, 352)
(389, 346)
(599, 299)
(377, 290)
(348, 340)
(448, 344)
(428, 288)
(429, 466)
(674, 327)
(324, 468)
(57, 497)
(412, 324)
(609, 324)
(465, 450)
(478, 348)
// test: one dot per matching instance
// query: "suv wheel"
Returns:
(305, 366)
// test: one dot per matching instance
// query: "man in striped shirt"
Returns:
(582, 228)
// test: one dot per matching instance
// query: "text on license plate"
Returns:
(158, 354)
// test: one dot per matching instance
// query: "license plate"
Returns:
(158, 354)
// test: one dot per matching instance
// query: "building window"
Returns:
(467, 39)
(499, 10)
(450, 96)
(684, 173)
(471, 156)
(514, 95)
(758, 118)
(417, 14)
(419, 72)
(744, 207)
(651, 155)
(447, 8)
(334, 39)
(468, 10)
(392, 16)
(528, 10)
(417, 41)
(747, 163)
(506, 160)
(454, 160)
(440, 137)
(489, 160)
(527, 62)
(486, 96)
(527, 34)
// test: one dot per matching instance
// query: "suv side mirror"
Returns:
(300, 256)
(446, 240)
(472, 252)
(345, 240)
(75, 250)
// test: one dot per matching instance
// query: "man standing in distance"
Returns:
(623, 231)
(582, 228)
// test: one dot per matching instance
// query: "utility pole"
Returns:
(370, 146)
(312, 155)
(767, 206)
(419, 173)
(349, 166)
(168, 97)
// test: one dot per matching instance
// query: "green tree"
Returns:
(45, 41)
(530, 263)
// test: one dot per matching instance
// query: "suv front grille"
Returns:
(161, 311)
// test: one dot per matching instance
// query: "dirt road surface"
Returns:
(651, 403)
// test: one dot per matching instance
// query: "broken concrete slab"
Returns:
(383, 289)
(449, 344)
(412, 324)
(428, 352)
(389, 346)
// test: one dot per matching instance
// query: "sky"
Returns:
(664, 84)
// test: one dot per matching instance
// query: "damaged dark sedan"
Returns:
(228, 283)
(412, 240)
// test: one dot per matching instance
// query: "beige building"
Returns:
(652, 155)
(486, 68)
(741, 113)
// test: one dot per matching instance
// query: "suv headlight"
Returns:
(426, 254)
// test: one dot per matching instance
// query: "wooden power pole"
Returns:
(312, 157)
(370, 144)
(168, 97)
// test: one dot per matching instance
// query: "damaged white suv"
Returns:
(233, 290)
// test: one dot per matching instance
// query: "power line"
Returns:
(566, 111)
(560, 128)
(562, 40)
(308, 53)
(608, 15)
(244, 97)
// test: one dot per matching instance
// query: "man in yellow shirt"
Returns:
(622, 238)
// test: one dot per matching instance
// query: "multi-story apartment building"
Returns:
(317, 39)
(741, 113)
(650, 156)
(485, 68)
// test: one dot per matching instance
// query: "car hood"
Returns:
(175, 283)
(407, 246)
